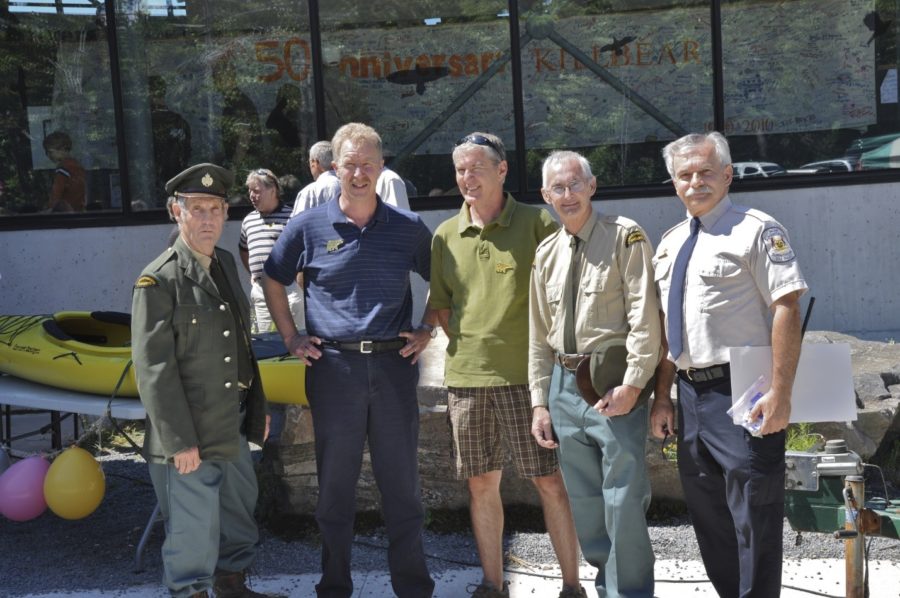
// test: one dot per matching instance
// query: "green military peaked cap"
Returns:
(604, 370)
(204, 179)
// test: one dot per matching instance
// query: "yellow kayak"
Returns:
(90, 351)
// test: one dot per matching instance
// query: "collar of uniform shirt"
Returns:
(709, 219)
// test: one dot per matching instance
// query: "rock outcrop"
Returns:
(876, 374)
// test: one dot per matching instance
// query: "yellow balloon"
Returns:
(74, 485)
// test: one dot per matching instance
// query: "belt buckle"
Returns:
(365, 346)
(687, 373)
(567, 362)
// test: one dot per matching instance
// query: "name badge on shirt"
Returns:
(334, 245)
(777, 247)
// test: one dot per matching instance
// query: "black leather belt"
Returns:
(570, 361)
(713, 373)
(367, 346)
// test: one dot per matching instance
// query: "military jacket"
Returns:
(184, 348)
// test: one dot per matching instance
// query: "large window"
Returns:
(423, 74)
(228, 82)
(58, 135)
(810, 86)
(615, 81)
(102, 102)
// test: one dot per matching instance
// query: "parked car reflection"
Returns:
(744, 170)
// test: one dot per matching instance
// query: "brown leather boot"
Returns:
(203, 594)
(227, 584)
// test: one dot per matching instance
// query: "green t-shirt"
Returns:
(482, 277)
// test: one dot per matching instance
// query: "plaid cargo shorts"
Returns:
(489, 423)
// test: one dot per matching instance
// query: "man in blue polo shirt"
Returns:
(356, 255)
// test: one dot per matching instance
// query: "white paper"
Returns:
(823, 387)
(889, 87)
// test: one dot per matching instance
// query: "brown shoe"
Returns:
(227, 584)
(203, 594)
(484, 590)
(570, 592)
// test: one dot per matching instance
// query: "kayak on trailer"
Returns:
(91, 352)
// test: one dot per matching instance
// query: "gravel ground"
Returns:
(50, 553)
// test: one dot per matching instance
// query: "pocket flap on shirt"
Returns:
(661, 268)
(554, 293)
(719, 269)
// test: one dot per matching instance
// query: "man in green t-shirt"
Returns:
(480, 268)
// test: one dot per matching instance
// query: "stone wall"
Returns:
(876, 368)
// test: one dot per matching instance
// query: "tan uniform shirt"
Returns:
(742, 263)
(616, 298)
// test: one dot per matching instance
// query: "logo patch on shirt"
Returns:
(777, 247)
(633, 237)
(145, 281)
(334, 245)
(502, 268)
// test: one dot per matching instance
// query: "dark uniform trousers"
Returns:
(355, 397)
(734, 487)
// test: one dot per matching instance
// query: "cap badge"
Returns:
(207, 180)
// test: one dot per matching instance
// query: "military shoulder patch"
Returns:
(334, 245)
(777, 247)
(145, 281)
(502, 268)
(635, 236)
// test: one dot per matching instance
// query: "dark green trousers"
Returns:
(603, 466)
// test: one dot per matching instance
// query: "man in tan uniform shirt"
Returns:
(601, 448)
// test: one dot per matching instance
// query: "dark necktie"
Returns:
(245, 369)
(675, 331)
(571, 292)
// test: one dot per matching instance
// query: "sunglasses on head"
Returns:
(480, 140)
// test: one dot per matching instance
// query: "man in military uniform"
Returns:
(591, 288)
(727, 277)
(200, 385)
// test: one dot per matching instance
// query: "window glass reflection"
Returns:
(614, 80)
(423, 74)
(57, 146)
(810, 86)
(226, 82)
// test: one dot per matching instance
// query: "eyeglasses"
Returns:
(482, 141)
(573, 187)
(263, 172)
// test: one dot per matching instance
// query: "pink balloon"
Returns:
(22, 489)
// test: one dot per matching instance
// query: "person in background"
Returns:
(726, 277)
(67, 193)
(392, 189)
(325, 185)
(259, 231)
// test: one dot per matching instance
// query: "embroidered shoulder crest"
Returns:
(777, 246)
(635, 236)
(145, 281)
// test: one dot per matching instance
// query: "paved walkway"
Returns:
(674, 579)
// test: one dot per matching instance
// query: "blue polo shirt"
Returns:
(356, 281)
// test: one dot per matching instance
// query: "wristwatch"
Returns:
(431, 329)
